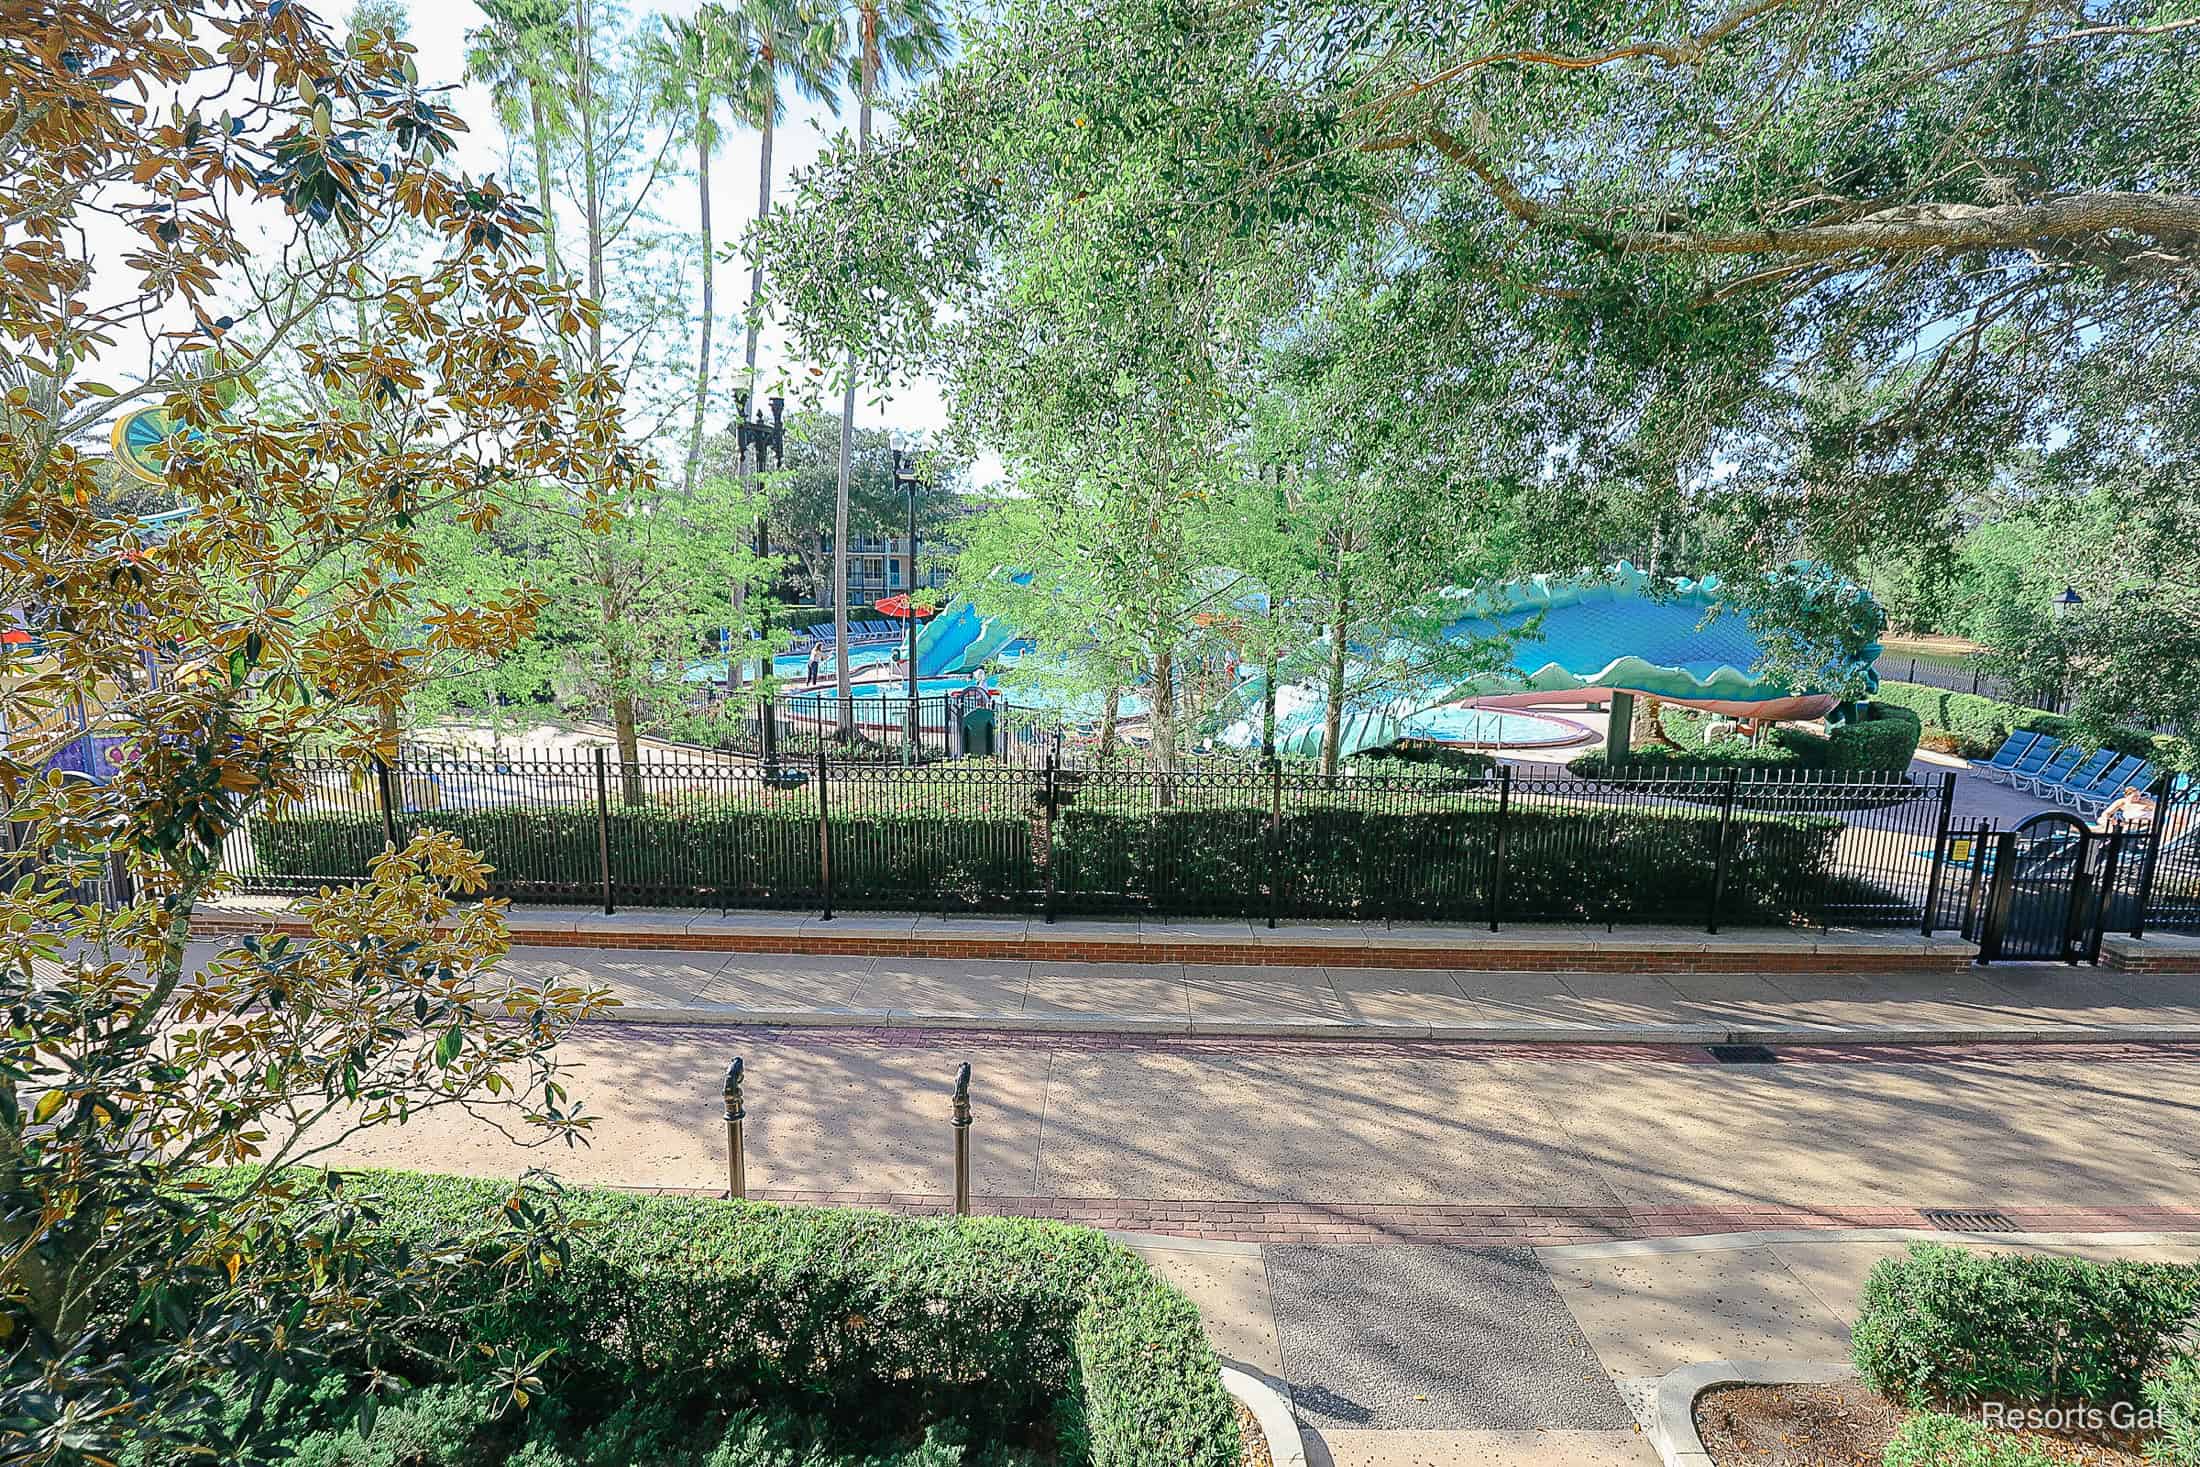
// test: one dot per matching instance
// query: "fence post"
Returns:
(1725, 838)
(1977, 863)
(962, 1140)
(603, 827)
(1974, 680)
(737, 1171)
(1497, 844)
(1275, 839)
(1998, 897)
(1934, 877)
(2103, 900)
(1053, 798)
(2152, 856)
(824, 839)
(768, 737)
(383, 797)
(2081, 893)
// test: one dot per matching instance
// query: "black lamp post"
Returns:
(908, 482)
(2067, 602)
(764, 438)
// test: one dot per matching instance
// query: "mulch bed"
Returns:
(1847, 1425)
(1256, 1441)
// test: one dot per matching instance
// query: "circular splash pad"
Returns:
(1496, 728)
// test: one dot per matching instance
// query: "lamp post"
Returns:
(2068, 602)
(907, 482)
(765, 438)
(2066, 606)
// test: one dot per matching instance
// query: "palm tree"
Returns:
(695, 71)
(523, 55)
(896, 40)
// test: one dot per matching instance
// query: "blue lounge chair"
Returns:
(2012, 749)
(2058, 767)
(2031, 761)
(2098, 763)
(2103, 791)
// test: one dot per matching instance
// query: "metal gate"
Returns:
(2050, 885)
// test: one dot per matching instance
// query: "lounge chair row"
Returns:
(2067, 773)
(858, 631)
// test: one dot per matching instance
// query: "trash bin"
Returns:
(977, 733)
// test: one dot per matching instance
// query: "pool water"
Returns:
(1496, 727)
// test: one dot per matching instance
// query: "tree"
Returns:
(143, 1307)
(694, 64)
(524, 56)
(894, 40)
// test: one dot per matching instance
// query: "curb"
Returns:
(1774, 1237)
(1272, 1411)
(1688, 1035)
(1673, 1413)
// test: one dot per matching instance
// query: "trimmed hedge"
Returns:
(880, 1324)
(1976, 726)
(2174, 1393)
(1879, 740)
(1331, 860)
(1588, 865)
(1941, 1326)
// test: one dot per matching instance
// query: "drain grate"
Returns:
(1948, 1221)
(1744, 1054)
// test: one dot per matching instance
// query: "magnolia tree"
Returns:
(189, 193)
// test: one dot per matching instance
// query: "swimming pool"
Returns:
(1503, 728)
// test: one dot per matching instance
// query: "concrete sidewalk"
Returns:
(1543, 1357)
(2015, 1003)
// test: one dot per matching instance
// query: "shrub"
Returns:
(1975, 726)
(1930, 1439)
(1945, 1326)
(875, 1323)
(2174, 1393)
(1880, 737)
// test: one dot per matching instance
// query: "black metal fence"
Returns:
(881, 727)
(1966, 677)
(1232, 839)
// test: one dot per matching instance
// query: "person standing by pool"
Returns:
(817, 661)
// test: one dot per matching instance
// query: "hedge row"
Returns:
(1878, 740)
(1941, 1326)
(1976, 726)
(879, 1324)
(1559, 865)
(1329, 859)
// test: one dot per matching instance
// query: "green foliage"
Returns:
(448, 1425)
(1976, 726)
(2173, 1391)
(875, 1324)
(1335, 860)
(978, 845)
(1929, 1439)
(1949, 1327)
(1878, 738)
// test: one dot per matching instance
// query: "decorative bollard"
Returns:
(962, 1141)
(737, 1178)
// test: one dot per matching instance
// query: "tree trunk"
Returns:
(584, 89)
(1109, 712)
(541, 126)
(1340, 622)
(1161, 721)
(755, 330)
(710, 271)
(841, 681)
(630, 749)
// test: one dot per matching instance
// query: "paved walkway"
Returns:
(2015, 1002)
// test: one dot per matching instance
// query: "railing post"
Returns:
(737, 1171)
(2081, 893)
(768, 736)
(1977, 863)
(385, 799)
(962, 1141)
(1275, 839)
(2152, 856)
(1998, 897)
(1720, 857)
(1934, 876)
(1053, 798)
(1497, 844)
(2105, 896)
(824, 839)
(603, 826)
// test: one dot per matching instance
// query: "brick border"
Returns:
(1454, 1223)
(1468, 955)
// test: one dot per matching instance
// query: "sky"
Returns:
(439, 29)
